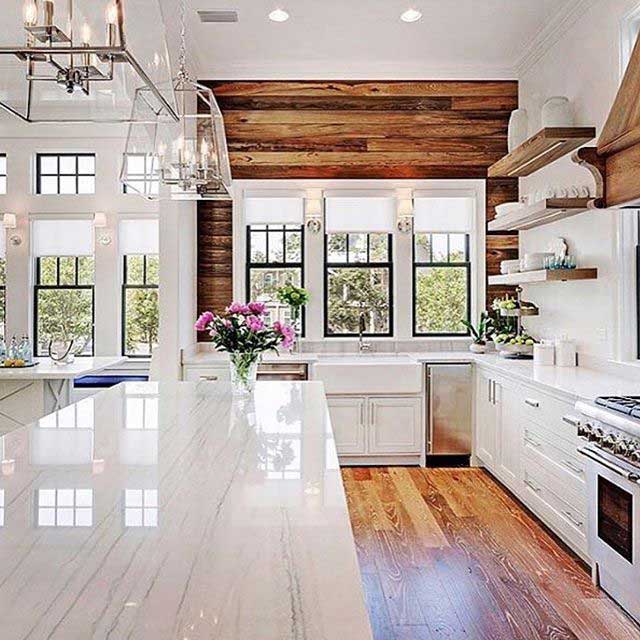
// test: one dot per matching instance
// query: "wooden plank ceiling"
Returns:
(282, 129)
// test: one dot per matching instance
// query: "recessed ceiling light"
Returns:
(279, 15)
(411, 15)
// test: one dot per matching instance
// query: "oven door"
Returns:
(613, 526)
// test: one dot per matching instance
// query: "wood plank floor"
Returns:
(448, 553)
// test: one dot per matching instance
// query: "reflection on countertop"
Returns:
(172, 510)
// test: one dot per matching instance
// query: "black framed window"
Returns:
(140, 305)
(358, 280)
(141, 175)
(3, 173)
(441, 284)
(275, 257)
(64, 303)
(65, 173)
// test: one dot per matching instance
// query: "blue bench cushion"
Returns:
(104, 382)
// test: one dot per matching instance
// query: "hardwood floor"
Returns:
(448, 553)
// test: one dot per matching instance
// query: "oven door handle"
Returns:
(593, 455)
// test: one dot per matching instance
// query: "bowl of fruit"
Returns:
(514, 344)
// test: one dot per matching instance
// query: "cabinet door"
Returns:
(200, 374)
(395, 426)
(509, 431)
(485, 420)
(347, 420)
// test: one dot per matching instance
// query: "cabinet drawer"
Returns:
(559, 452)
(552, 414)
(567, 520)
(201, 374)
(282, 371)
(559, 478)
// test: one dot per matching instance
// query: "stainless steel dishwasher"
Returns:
(449, 395)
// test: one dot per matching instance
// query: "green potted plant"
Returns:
(296, 298)
(479, 333)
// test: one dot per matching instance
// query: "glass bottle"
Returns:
(12, 352)
(25, 352)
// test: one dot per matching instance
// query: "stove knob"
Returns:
(584, 430)
(623, 448)
(610, 441)
(596, 435)
(634, 454)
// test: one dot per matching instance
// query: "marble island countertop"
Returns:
(170, 511)
(47, 369)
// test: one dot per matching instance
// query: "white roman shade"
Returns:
(3, 242)
(62, 237)
(139, 236)
(443, 215)
(274, 210)
(356, 214)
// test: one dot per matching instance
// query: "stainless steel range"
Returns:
(611, 430)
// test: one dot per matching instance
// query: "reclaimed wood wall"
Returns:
(215, 258)
(368, 130)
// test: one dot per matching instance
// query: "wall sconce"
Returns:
(9, 221)
(313, 211)
(404, 220)
(100, 222)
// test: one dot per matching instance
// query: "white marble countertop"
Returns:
(47, 369)
(575, 382)
(166, 511)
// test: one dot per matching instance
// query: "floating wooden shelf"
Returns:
(543, 212)
(549, 275)
(540, 150)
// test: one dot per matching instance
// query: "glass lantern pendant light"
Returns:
(78, 49)
(192, 156)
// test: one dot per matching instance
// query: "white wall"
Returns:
(583, 65)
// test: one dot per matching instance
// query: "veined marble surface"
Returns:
(162, 511)
(47, 369)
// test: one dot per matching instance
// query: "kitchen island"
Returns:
(186, 514)
(29, 393)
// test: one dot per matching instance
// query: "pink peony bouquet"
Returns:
(242, 330)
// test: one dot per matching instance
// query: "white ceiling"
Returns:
(366, 39)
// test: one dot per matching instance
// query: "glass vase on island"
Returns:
(242, 333)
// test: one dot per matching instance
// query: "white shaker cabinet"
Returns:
(509, 433)
(486, 419)
(377, 429)
(394, 426)
(348, 422)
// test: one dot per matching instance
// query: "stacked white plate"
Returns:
(509, 266)
(534, 261)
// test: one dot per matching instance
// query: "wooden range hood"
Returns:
(615, 162)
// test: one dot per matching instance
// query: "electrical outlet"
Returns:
(602, 333)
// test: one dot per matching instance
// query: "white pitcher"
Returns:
(518, 128)
(557, 112)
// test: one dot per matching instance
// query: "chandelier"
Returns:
(76, 63)
(190, 156)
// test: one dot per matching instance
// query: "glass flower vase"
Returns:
(295, 313)
(244, 372)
